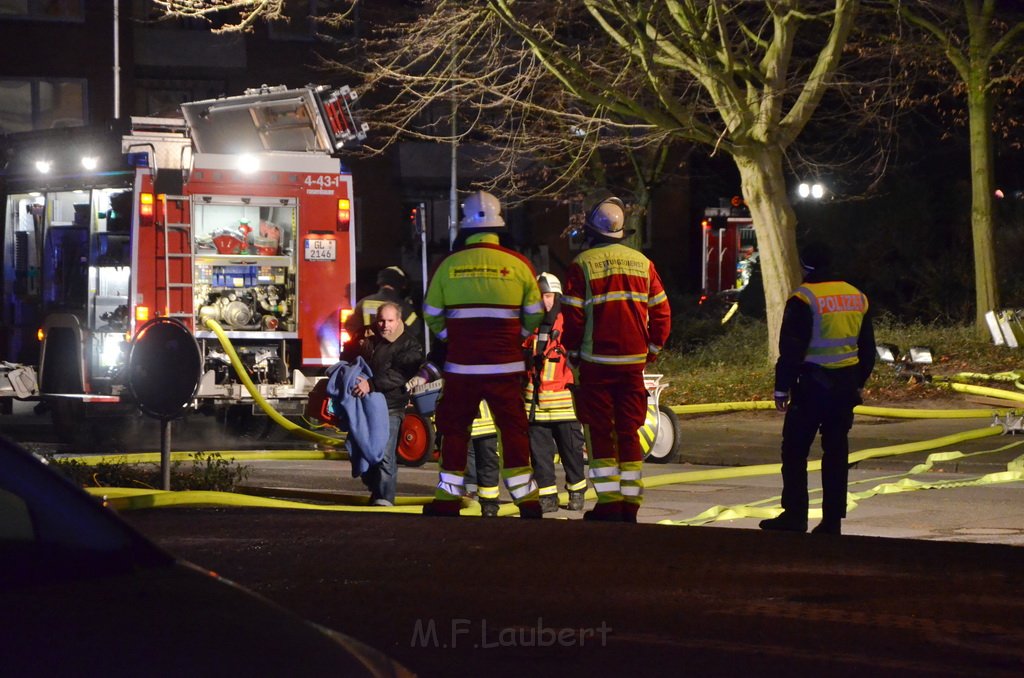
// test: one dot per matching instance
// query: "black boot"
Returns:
(829, 526)
(549, 503)
(530, 510)
(442, 509)
(576, 500)
(609, 512)
(785, 522)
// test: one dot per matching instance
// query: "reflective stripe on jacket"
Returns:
(838, 310)
(483, 301)
(615, 307)
(555, 400)
(483, 425)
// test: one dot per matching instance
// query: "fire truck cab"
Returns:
(241, 214)
(729, 244)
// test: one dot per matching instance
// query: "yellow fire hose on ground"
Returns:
(769, 508)
(130, 498)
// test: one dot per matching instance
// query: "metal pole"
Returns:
(421, 226)
(453, 193)
(117, 60)
(165, 453)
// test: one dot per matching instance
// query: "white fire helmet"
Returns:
(481, 210)
(608, 218)
(549, 283)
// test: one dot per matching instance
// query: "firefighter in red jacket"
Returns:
(553, 424)
(483, 302)
(617, 319)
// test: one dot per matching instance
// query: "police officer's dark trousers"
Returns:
(821, 400)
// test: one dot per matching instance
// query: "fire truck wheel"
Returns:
(83, 433)
(71, 425)
(668, 443)
(279, 434)
(240, 422)
(415, 440)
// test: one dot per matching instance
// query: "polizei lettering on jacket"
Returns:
(838, 303)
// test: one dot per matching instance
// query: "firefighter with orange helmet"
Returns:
(617, 319)
(483, 301)
(553, 424)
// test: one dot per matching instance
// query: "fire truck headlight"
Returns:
(111, 346)
(248, 164)
(43, 166)
(90, 162)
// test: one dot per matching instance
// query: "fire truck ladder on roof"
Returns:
(178, 259)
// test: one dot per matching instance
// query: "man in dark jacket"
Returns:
(393, 286)
(394, 354)
(826, 354)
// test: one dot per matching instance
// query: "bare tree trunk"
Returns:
(764, 189)
(986, 287)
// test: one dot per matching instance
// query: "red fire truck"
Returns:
(241, 213)
(729, 244)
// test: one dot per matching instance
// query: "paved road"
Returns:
(565, 597)
(723, 448)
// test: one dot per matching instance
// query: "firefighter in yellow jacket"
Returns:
(826, 354)
(483, 301)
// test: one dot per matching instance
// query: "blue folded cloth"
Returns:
(366, 417)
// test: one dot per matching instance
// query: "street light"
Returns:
(815, 190)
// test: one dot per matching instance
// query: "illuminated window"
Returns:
(32, 104)
(43, 10)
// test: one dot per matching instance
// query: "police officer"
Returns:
(483, 301)
(553, 424)
(826, 354)
(617, 318)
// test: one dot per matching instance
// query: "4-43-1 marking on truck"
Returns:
(323, 180)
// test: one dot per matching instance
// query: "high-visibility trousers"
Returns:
(612, 403)
(460, 405)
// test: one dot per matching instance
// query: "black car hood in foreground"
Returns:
(81, 593)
